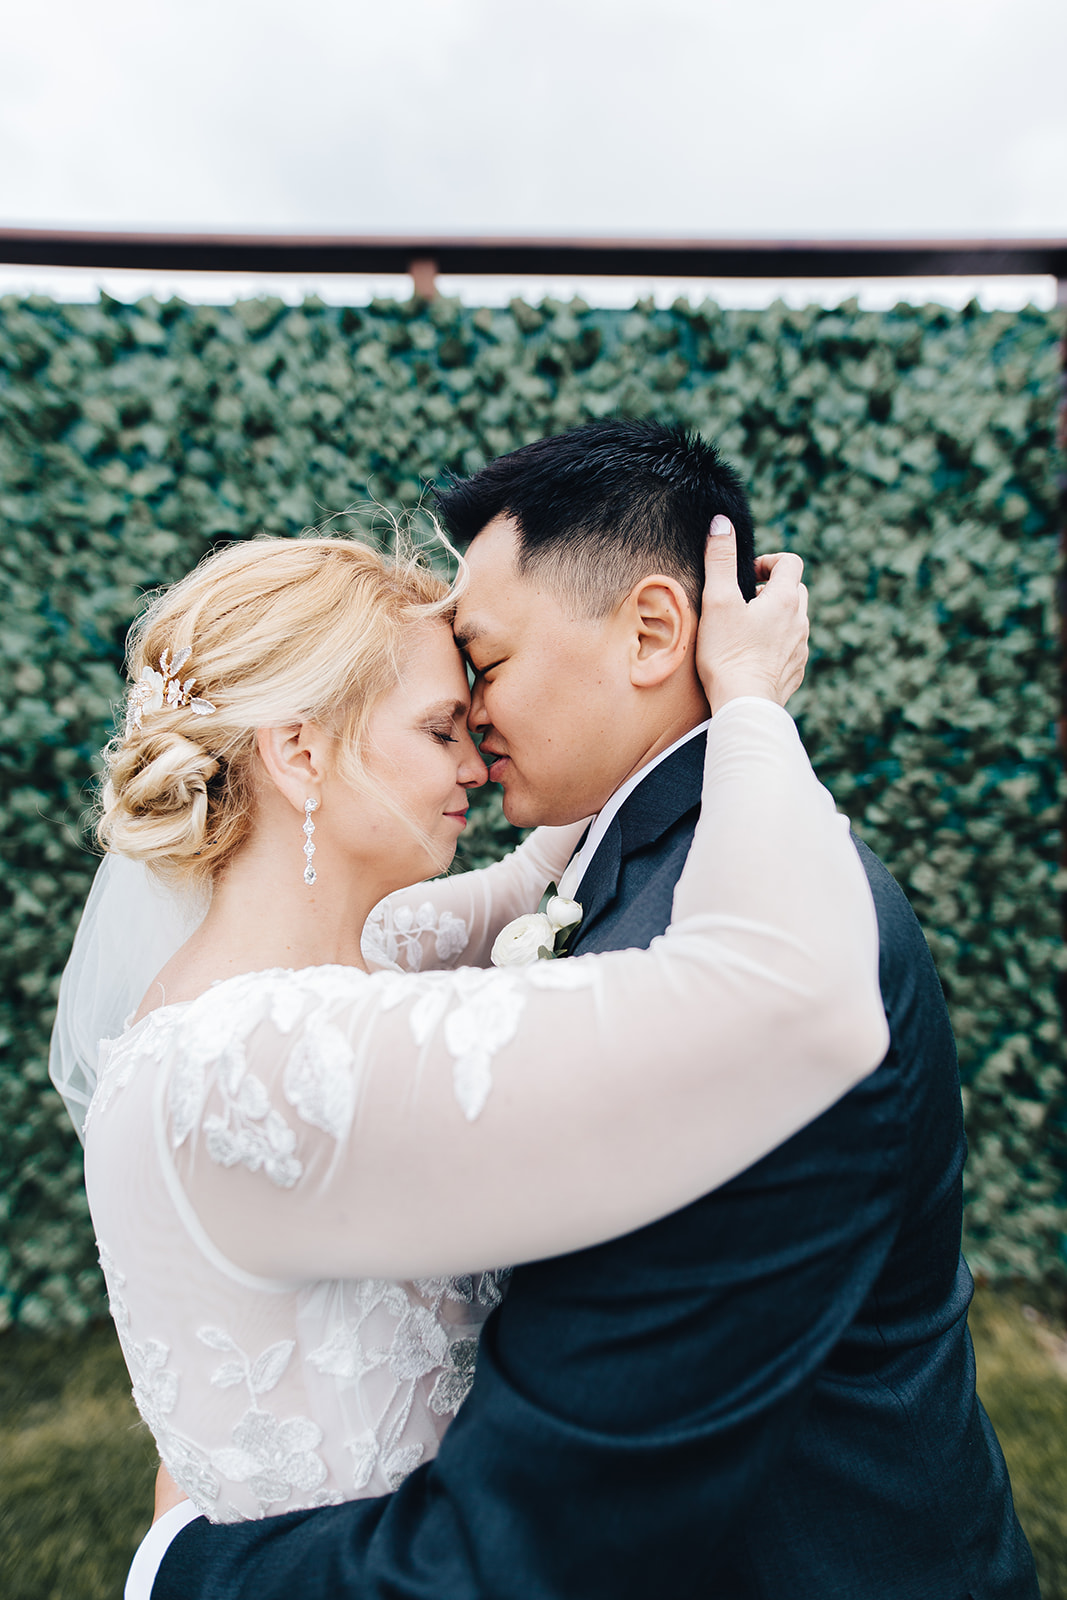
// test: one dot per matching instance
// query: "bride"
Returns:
(308, 1155)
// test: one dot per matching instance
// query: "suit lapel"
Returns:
(669, 791)
(601, 876)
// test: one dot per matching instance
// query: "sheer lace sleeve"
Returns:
(456, 919)
(324, 1123)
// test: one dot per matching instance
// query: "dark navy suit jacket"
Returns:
(768, 1395)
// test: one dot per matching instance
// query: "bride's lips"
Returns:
(458, 816)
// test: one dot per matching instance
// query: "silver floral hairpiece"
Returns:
(153, 690)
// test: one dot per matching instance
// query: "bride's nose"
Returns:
(472, 771)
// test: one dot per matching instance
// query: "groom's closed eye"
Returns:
(472, 637)
(481, 671)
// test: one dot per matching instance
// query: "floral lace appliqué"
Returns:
(454, 1381)
(155, 1394)
(423, 1338)
(368, 1453)
(319, 1079)
(478, 1013)
(120, 1058)
(393, 937)
(251, 1132)
(274, 1456)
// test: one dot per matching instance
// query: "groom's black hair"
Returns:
(602, 506)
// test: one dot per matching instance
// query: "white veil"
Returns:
(131, 926)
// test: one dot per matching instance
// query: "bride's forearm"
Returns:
(455, 920)
(482, 1118)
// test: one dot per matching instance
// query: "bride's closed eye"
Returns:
(443, 731)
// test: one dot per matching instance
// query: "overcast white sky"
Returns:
(683, 117)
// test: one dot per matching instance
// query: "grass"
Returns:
(76, 1463)
(1022, 1379)
(76, 1467)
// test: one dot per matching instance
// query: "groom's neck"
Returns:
(694, 717)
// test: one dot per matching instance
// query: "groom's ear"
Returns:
(661, 626)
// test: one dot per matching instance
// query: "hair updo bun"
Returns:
(155, 800)
(268, 633)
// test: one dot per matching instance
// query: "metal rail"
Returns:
(424, 257)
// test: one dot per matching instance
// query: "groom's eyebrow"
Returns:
(466, 635)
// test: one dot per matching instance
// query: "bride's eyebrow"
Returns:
(446, 708)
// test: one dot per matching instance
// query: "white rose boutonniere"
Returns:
(526, 940)
(540, 935)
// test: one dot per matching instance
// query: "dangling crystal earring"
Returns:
(309, 848)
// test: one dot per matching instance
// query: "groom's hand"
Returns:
(758, 648)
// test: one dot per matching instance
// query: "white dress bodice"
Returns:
(264, 1395)
(304, 1184)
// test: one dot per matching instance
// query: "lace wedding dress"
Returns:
(299, 1179)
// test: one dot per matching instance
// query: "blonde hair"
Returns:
(279, 631)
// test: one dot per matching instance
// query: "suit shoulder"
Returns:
(896, 919)
(906, 968)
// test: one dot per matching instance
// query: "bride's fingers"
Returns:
(797, 664)
(766, 564)
(779, 573)
(802, 594)
(720, 566)
(760, 648)
(784, 578)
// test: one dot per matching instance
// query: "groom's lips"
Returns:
(497, 766)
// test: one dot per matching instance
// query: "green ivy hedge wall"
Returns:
(907, 455)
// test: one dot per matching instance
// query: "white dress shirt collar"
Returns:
(575, 871)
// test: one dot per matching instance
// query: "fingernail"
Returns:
(720, 525)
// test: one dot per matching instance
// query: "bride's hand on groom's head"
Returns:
(759, 647)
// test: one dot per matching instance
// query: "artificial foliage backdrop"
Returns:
(907, 455)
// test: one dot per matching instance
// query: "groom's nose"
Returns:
(477, 716)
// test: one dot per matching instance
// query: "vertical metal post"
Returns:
(423, 271)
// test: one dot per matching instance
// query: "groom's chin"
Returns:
(533, 811)
(514, 811)
(519, 810)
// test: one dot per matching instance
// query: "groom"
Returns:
(770, 1394)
